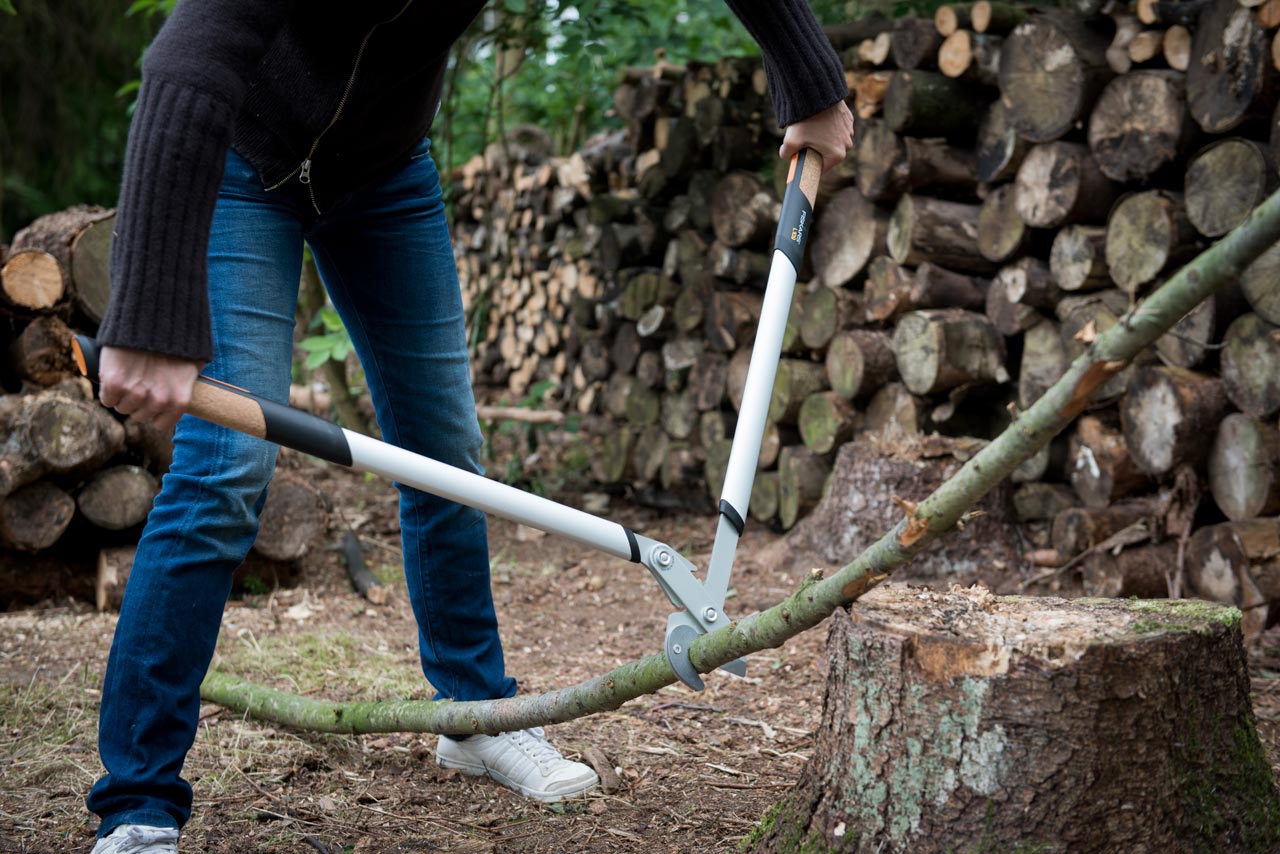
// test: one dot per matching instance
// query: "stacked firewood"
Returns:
(76, 480)
(1022, 178)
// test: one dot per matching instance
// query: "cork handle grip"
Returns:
(810, 169)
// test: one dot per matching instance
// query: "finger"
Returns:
(788, 149)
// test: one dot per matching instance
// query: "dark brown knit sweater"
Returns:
(267, 77)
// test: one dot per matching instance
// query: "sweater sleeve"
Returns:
(805, 74)
(194, 78)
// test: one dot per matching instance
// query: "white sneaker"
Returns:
(524, 761)
(138, 839)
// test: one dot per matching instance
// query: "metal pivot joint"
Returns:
(701, 611)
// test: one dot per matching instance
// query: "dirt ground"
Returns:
(697, 769)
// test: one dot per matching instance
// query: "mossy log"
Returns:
(926, 103)
(1146, 233)
(1060, 183)
(850, 232)
(943, 348)
(889, 165)
(1226, 180)
(963, 721)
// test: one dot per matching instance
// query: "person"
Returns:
(261, 126)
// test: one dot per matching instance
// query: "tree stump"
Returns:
(969, 722)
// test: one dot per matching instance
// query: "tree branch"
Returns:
(816, 598)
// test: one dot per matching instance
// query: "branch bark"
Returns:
(818, 597)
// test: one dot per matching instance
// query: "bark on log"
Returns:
(34, 517)
(850, 231)
(971, 56)
(859, 362)
(292, 521)
(1185, 12)
(1147, 233)
(1142, 571)
(796, 380)
(889, 165)
(926, 103)
(801, 477)
(764, 497)
(825, 312)
(648, 454)
(943, 233)
(1219, 568)
(118, 497)
(730, 320)
(1139, 125)
(1044, 360)
(743, 211)
(708, 380)
(1167, 415)
(1229, 70)
(892, 290)
(1002, 232)
(79, 239)
(1079, 258)
(51, 432)
(1258, 283)
(1077, 529)
(913, 42)
(1000, 148)
(991, 16)
(1040, 502)
(1251, 366)
(1083, 319)
(1224, 182)
(827, 420)
(42, 353)
(894, 412)
(1244, 468)
(908, 660)
(940, 349)
(1187, 344)
(1099, 466)
(1018, 293)
(1052, 67)
(1061, 183)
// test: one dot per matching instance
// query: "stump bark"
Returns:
(969, 722)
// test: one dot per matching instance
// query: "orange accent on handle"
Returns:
(78, 355)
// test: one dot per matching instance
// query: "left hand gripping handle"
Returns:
(240, 410)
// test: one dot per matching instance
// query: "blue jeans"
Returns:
(385, 257)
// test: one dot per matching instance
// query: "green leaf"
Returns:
(7, 6)
(316, 359)
(315, 345)
(127, 89)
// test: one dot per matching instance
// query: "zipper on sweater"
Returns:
(303, 172)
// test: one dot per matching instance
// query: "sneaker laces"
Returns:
(533, 743)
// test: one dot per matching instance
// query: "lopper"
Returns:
(700, 603)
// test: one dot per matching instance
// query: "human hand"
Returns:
(830, 133)
(146, 386)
